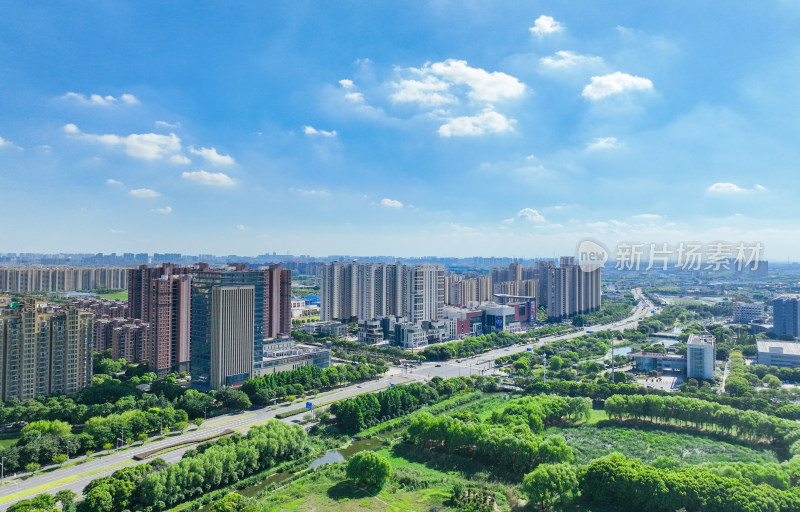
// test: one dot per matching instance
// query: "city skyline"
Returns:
(480, 129)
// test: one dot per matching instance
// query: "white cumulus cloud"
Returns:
(566, 59)
(211, 155)
(725, 187)
(647, 216)
(147, 146)
(5, 143)
(728, 188)
(144, 193)
(164, 124)
(310, 130)
(545, 25)
(530, 215)
(428, 92)
(103, 101)
(241, 227)
(485, 86)
(214, 179)
(391, 203)
(180, 159)
(615, 83)
(165, 210)
(604, 143)
(111, 181)
(487, 122)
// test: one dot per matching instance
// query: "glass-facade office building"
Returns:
(203, 307)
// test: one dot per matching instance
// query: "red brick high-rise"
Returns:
(160, 296)
(278, 301)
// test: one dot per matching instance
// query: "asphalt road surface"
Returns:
(76, 477)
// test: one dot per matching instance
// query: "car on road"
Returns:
(438, 366)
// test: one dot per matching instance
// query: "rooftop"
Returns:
(700, 339)
(656, 355)
(779, 347)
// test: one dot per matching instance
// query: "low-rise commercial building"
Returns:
(783, 354)
(410, 336)
(656, 362)
(283, 354)
(370, 332)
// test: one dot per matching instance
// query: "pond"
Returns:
(336, 456)
(622, 351)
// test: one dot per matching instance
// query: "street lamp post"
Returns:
(544, 368)
(2, 469)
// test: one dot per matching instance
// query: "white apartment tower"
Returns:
(425, 299)
(338, 292)
(371, 283)
(363, 291)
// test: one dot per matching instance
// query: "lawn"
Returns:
(114, 296)
(5, 443)
(414, 486)
(647, 443)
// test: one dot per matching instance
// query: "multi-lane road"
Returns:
(77, 476)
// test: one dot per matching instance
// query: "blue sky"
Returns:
(405, 128)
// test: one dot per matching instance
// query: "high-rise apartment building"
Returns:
(513, 272)
(339, 292)
(160, 297)
(61, 279)
(278, 301)
(43, 349)
(572, 289)
(786, 312)
(371, 291)
(425, 298)
(459, 291)
(353, 291)
(524, 288)
(130, 340)
(452, 289)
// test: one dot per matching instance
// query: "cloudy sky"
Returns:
(398, 128)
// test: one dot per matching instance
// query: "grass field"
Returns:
(414, 487)
(647, 443)
(5, 443)
(112, 296)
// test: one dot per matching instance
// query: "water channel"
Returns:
(329, 457)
